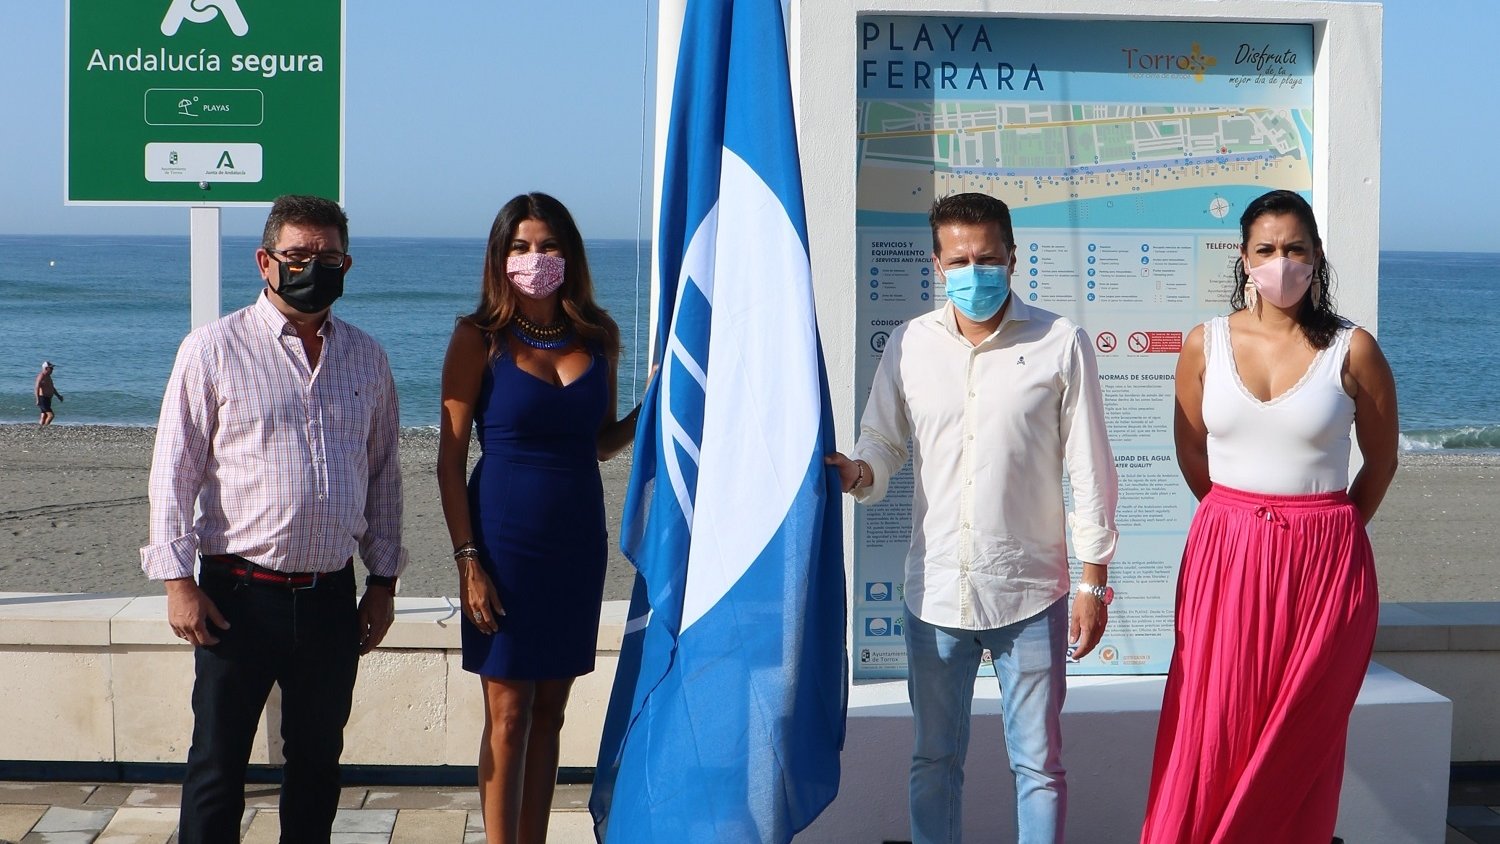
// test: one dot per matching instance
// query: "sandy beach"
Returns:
(73, 515)
(73, 512)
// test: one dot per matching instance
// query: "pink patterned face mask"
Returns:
(1281, 281)
(535, 274)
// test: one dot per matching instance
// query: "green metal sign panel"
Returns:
(224, 102)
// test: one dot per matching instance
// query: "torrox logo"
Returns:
(203, 11)
(1195, 62)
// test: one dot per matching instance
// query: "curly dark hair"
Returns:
(497, 297)
(1317, 315)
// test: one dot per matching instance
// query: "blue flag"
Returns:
(727, 716)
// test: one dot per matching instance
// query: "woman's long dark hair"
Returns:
(1317, 317)
(497, 296)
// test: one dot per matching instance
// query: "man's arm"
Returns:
(884, 431)
(1090, 465)
(184, 437)
(380, 546)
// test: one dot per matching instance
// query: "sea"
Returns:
(109, 311)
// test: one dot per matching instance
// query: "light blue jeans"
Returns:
(1029, 663)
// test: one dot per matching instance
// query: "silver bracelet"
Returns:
(859, 466)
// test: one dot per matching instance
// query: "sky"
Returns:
(449, 114)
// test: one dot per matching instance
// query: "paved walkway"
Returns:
(1473, 812)
(77, 813)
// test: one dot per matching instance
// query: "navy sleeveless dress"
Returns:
(537, 509)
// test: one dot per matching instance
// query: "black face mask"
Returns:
(311, 289)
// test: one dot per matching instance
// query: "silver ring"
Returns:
(478, 618)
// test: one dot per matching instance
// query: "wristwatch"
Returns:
(1105, 594)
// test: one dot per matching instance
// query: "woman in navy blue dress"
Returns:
(533, 372)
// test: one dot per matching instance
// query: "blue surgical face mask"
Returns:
(978, 291)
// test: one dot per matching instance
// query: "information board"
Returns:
(1126, 151)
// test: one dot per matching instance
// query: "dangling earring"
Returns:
(1317, 295)
(1251, 295)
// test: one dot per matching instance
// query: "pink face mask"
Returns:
(535, 274)
(1281, 281)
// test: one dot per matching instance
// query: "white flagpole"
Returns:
(669, 17)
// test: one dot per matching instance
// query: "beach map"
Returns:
(1126, 152)
(1047, 154)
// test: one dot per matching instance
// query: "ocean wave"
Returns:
(1461, 438)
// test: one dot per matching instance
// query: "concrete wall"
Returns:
(100, 678)
(97, 678)
(1453, 649)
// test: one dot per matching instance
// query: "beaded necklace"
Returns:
(552, 336)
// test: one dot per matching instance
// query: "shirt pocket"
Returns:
(349, 417)
(247, 415)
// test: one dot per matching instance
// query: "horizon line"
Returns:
(481, 238)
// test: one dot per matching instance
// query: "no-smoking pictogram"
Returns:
(1106, 342)
(1138, 341)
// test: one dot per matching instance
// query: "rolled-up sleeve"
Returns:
(1088, 458)
(885, 428)
(184, 442)
(380, 546)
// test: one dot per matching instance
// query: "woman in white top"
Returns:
(1276, 600)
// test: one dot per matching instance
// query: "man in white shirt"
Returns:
(998, 399)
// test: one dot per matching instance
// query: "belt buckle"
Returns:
(311, 585)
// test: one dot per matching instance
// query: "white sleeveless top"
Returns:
(1295, 444)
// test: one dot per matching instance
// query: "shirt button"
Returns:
(966, 525)
(321, 497)
(972, 394)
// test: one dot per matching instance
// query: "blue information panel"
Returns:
(1126, 151)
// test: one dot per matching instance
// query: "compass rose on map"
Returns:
(1219, 207)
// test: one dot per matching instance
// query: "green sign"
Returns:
(223, 102)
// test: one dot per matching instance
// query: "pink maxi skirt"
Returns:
(1276, 614)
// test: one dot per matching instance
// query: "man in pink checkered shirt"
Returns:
(276, 458)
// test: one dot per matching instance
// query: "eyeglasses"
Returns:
(298, 260)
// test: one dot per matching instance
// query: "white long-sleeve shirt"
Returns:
(992, 427)
(294, 467)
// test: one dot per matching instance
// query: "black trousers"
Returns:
(305, 640)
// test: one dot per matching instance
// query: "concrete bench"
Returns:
(1395, 780)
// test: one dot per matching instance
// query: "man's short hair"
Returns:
(300, 210)
(970, 209)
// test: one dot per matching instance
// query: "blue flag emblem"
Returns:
(728, 710)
